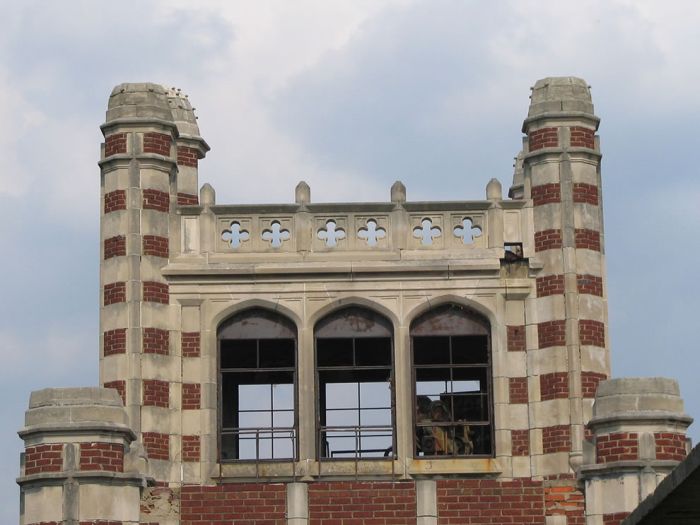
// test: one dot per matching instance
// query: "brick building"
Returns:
(310, 363)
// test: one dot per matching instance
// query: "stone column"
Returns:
(566, 318)
(81, 464)
(638, 428)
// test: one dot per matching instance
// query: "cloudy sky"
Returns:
(349, 95)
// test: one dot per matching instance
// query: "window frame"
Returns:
(286, 323)
(475, 318)
(318, 428)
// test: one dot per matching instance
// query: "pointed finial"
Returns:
(302, 193)
(398, 192)
(207, 195)
(494, 190)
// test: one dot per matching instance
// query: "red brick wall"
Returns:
(156, 245)
(520, 442)
(190, 344)
(618, 446)
(191, 396)
(356, 503)
(488, 501)
(551, 333)
(157, 445)
(589, 284)
(239, 503)
(554, 385)
(114, 247)
(102, 522)
(543, 138)
(43, 458)
(582, 137)
(115, 201)
(115, 143)
(591, 332)
(589, 383)
(187, 199)
(518, 390)
(157, 143)
(190, 448)
(587, 239)
(114, 293)
(546, 194)
(156, 393)
(564, 499)
(154, 292)
(156, 341)
(670, 446)
(614, 519)
(550, 285)
(102, 456)
(516, 338)
(187, 156)
(547, 240)
(114, 341)
(119, 386)
(585, 193)
(556, 439)
(156, 200)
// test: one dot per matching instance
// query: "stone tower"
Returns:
(148, 168)
(430, 363)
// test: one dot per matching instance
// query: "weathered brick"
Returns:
(543, 138)
(187, 199)
(520, 442)
(155, 200)
(546, 194)
(114, 144)
(156, 341)
(157, 445)
(114, 341)
(190, 344)
(157, 143)
(115, 201)
(114, 247)
(556, 438)
(670, 445)
(589, 383)
(191, 396)
(585, 193)
(587, 239)
(582, 137)
(591, 332)
(589, 284)
(102, 456)
(114, 293)
(618, 446)
(43, 458)
(244, 503)
(187, 156)
(119, 386)
(191, 448)
(554, 386)
(156, 393)
(156, 245)
(517, 387)
(551, 333)
(548, 240)
(154, 292)
(549, 285)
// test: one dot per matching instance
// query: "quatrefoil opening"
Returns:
(427, 232)
(331, 234)
(275, 234)
(371, 233)
(467, 231)
(235, 235)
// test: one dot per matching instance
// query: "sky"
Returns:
(348, 95)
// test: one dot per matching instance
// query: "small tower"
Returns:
(567, 317)
(148, 168)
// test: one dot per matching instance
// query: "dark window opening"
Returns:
(355, 385)
(452, 383)
(257, 367)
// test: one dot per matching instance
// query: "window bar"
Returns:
(257, 453)
(357, 444)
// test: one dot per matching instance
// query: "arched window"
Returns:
(257, 386)
(452, 391)
(354, 378)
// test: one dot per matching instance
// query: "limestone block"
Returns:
(164, 368)
(114, 223)
(587, 216)
(549, 464)
(549, 308)
(549, 413)
(585, 172)
(594, 359)
(114, 316)
(626, 396)
(43, 504)
(521, 467)
(592, 307)
(157, 419)
(515, 313)
(544, 171)
(156, 315)
(110, 502)
(518, 417)
(547, 360)
(155, 179)
(548, 216)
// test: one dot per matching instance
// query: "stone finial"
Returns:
(560, 95)
(638, 397)
(398, 192)
(494, 190)
(302, 193)
(517, 189)
(207, 195)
